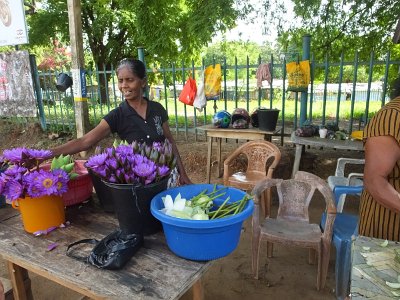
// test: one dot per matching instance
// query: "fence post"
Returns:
(39, 97)
(306, 56)
(141, 58)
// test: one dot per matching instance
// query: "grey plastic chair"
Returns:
(353, 179)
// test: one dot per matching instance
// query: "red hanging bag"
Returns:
(188, 92)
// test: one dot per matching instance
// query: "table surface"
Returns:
(252, 130)
(372, 266)
(329, 143)
(153, 273)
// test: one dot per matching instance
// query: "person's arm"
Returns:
(85, 142)
(183, 178)
(381, 155)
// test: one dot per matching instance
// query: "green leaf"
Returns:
(69, 167)
(72, 176)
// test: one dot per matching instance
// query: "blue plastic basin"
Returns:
(201, 239)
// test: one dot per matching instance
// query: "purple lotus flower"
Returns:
(145, 170)
(134, 163)
(15, 172)
(45, 183)
(149, 179)
(111, 163)
(62, 181)
(163, 171)
(159, 147)
(40, 155)
(124, 150)
(13, 190)
(23, 177)
(96, 161)
(13, 155)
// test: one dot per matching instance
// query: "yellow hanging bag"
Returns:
(212, 82)
(298, 74)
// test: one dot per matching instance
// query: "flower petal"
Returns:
(168, 203)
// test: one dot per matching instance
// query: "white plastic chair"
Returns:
(353, 179)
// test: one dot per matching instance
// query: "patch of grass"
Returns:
(61, 115)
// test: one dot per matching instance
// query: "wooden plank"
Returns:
(153, 273)
(7, 212)
(210, 129)
(20, 282)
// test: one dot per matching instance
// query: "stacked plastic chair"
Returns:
(345, 229)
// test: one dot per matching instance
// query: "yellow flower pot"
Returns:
(40, 213)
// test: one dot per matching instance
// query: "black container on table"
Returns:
(132, 206)
(2, 198)
(103, 193)
(267, 118)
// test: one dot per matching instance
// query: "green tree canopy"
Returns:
(113, 29)
(336, 25)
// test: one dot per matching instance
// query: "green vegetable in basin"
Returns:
(201, 206)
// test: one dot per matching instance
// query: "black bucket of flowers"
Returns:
(132, 206)
(131, 175)
(3, 167)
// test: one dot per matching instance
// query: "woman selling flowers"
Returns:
(136, 119)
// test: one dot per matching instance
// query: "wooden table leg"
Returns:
(197, 290)
(268, 137)
(219, 158)
(209, 159)
(20, 282)
(296, 164)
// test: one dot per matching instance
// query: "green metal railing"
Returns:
(326, 98)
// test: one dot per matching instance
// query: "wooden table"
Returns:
(300, 142)
(230, 133)
(153, 273)
(372, 266)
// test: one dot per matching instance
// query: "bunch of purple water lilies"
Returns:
(22, 176)
(136, 163)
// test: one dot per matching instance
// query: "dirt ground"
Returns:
(285, 276)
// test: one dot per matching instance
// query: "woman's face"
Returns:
(130, 85)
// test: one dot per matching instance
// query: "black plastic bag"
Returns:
(112, 252)
(306, 131)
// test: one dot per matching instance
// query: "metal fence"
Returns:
(329, 100)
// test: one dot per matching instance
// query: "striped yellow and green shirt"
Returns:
(376, 220)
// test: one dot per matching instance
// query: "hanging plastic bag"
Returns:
(188, 92)
(200, 100)
(298, 76)
(212, 82)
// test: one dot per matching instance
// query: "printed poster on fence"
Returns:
(12, 23)
(17, 97)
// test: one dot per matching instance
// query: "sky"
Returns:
(252, 32)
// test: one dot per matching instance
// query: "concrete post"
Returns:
(141, 58)
(78, 74)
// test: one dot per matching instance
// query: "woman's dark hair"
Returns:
(395, 88)
(136, 66)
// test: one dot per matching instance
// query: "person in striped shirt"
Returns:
(380, 200)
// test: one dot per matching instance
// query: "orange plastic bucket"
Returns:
(40, 213)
